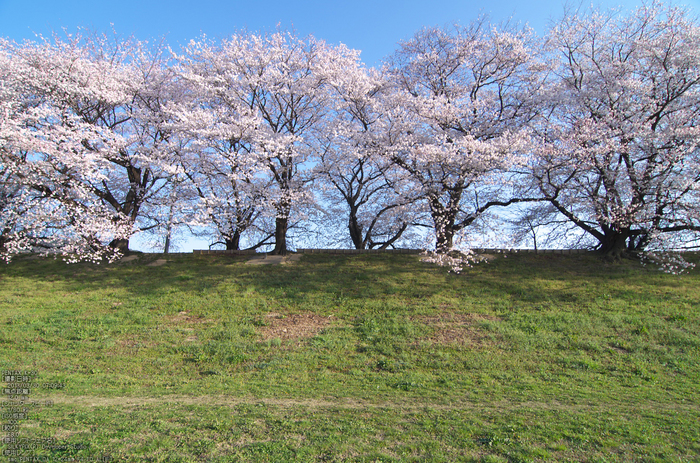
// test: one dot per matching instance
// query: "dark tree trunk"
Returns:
(614, 245)
(444, 240)
(355, 230)
(444, 230)
(281, 225)
(444, 217)
(122, 244)
(233, 243)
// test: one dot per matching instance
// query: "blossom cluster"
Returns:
(590, 135)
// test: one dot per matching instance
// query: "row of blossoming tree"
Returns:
(589, 135)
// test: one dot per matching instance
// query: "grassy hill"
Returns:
(355, 358)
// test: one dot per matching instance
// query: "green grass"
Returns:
(357, 358)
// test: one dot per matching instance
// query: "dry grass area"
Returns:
(184, 317)
(459, 328)
(185, 321)
(293, 326)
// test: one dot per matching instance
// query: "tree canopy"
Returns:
(591, 132)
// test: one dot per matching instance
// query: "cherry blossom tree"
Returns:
(118, 87)
(44, 166)
(462, 97)
(282, 83)
(219, 161)
(354, 172)
(619, 156)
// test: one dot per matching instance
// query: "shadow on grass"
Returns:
(349, 277)
(573, 279)
(516, 278)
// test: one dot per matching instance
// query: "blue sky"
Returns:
(371, 26)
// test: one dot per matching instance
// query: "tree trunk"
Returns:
(3, 238)
(281, 225)
(355, 230)
(122, 244)
(169, 227)
(614, 244)
(233, 242)
(444, 240)
(166, 247)
(444, 230)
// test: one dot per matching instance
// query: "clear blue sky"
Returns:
(371, 26)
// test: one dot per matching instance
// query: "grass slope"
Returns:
(357, 358)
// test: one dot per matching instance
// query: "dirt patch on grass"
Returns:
(186, 317)
(459, 328)
(460, 318)
(130, 343)
(619, 349)
(293, 326)
(128, 346)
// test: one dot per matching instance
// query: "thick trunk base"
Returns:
(281, 225)
(617, 248)
(355, 230)
(121, 244)
(233, 243)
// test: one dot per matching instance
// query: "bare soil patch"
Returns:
(619, 350)
(459, 328)
(131, 343)
(128, 346)
(186, 317)
(293, 326)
